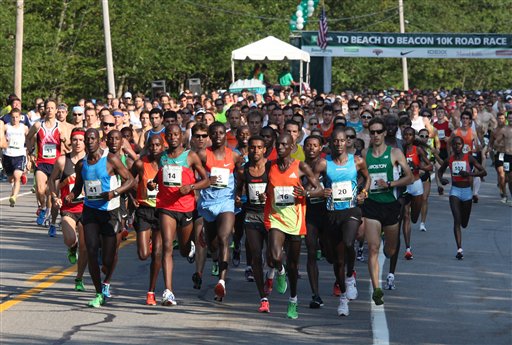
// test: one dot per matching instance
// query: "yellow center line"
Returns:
(52, 280)
(43, 274)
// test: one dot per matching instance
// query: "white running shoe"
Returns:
(351, 289)
(192, 254)
(390, 282)
(168, 298)
(343, 306)
(422, 227)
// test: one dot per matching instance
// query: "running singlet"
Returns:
(48, 144)
(380, 168)
(224, 189)
(413, 160)
(67, 180)
(161, 133)
(283, 211)
(358, 126)
(468, 139)
(231, 139)
(342, 179)
(254, 186)
(443, 131)
(15, 140)
(144, 195)
(96, 181)
(299, 154)
(172, 174)
(456, 166)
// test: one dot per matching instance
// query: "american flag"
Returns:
(322, 30)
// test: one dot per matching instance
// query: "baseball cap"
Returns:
(78, 109)
(127, 95)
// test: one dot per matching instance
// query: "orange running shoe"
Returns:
(150, 298)
(264, 306)
(336, 291)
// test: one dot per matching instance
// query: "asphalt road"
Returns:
(438, 299)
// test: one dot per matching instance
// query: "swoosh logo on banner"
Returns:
(405, 53)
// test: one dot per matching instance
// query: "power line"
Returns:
(374, 23)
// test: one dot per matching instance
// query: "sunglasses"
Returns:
(353, 108)
(185, 113)
(423, 136)
(313, 123)
(109, 124)
(366, 117)
(380, 131)
(203, 136)
(75, 114)
(351, 136)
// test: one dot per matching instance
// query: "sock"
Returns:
(459, 250)
(293, 299)
(282, 271)
(270, 273)
(222, 282)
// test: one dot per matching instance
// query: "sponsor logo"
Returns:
(188, 219)
(292, 175)
(378, 51)
(468, 53)
(503, 52)
(351, 50)
(226, 165)
(377, 166)
(405, 53)
(437, 52)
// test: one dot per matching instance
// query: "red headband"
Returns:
(77, 133)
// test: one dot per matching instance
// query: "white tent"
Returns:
(272, 49)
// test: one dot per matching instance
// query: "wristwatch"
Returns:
(116, 193)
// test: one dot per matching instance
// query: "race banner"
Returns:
(410, 45)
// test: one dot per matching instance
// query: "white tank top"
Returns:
(15, 141)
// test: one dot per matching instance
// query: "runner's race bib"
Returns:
(342, 191)
(222, 177)
(49, 150)
(283, 196)
(375, 188)
(151, 194)
(93, 189)
(440, 134)
(255, 190)
(501, 156)
(457, 167)
(171, 176)
(15, 143)
(506, 166)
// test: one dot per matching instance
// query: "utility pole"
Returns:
(108, 48)
(18, 55)
(402, 30)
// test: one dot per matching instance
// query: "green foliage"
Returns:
(64, 53)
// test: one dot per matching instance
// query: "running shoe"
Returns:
(360, 255)
(408, 254)
(175, 244)
(79, 284)
(192, 254)
(150, 298)
(292, 310)
(378, 296)
(390, 282)
(236, 257)
(440, 190)
(72, 257)
(24, 179)
(460, 255)
(336, 291)
(423, 227)
(249, 275)
(350, 286)
(264, 306)
(12, 201)
(282, 285)
(40, 217)
(215, 268)
(316, 302)
(343, 306)
(220, 290)
(503, 199)
(267, 288)
(97, 301)
(318, 255)
(168, 298)
(105, 290)
(197, 280)
(124, 234)
(52, 230)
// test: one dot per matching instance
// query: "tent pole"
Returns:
(301, 77)
(307, 73)
(233, 70)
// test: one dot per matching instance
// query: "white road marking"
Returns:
(378, 314)
(21, 194)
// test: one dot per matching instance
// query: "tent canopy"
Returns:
(270, 48)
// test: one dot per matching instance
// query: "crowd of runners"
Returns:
(197, 173)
